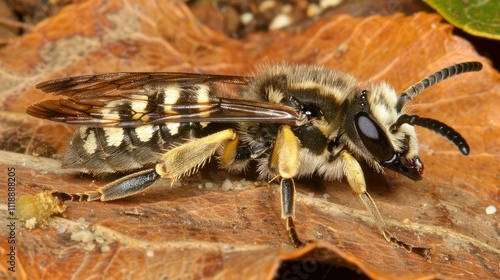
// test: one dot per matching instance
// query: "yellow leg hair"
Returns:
(186, 159)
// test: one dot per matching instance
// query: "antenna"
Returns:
(435, 78)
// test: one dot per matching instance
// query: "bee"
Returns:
(294, 121)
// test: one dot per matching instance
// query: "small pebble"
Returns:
(105, 248)
(246, 18)
(280, 21)
(490, 210)
(313, 10)
(31, 223)
(226, 185)
(61, 229)
(329, 3)
(266, 5)
(83, 235)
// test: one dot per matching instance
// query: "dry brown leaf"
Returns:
(208, 233)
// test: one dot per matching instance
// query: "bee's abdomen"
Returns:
(113, 149)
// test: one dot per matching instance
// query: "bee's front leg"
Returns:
(356, 180)
(177, 162)
(285, 161)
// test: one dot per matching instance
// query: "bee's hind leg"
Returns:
(123, 187)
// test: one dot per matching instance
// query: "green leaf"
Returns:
(477, 17)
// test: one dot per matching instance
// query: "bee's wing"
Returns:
(133, 99)
(110, 83)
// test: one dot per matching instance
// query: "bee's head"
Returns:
(384, 136)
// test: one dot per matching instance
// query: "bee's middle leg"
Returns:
(285, 160)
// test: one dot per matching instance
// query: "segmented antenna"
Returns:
(437, 77)
(434, 125)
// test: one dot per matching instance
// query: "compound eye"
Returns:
(312, 112)
(373, 137)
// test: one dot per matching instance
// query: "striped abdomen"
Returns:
(112, 149)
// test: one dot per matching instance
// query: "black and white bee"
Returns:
(294, 121)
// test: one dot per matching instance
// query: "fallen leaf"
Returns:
(199, 232)
(475, 17)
